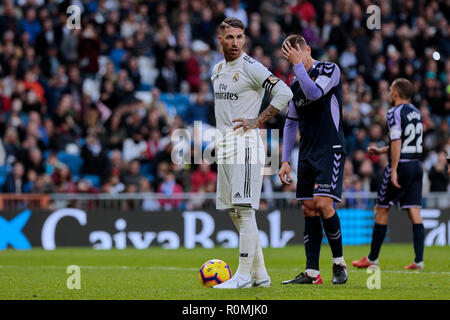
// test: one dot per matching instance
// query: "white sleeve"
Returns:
(258, 73)
(262, 77)
(329, 78)
(282, 94)
(394, 124)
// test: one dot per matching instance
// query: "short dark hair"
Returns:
(231, 22)
(293, 39)
(404, 88)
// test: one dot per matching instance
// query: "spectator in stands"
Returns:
(366, 175)
(236, 11)
(168, 80)
(117, 166)
(304, 10)
(12, 146)
(95, 159)
(113, 185)
(62, 179)
(202, 176)
(438, 174)
(35, 161)
(133, 175)
(168, 188)
(43, 184)
(31, 178)
(154, 144)
(89, 50)
(360, 141)
(15, 181)
(199, 109)
(289, 21)
(31, 25)
(85, 186)
(361, 202)
(148, 204)
(135, 147)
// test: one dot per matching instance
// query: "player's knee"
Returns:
(381, 215)
(414, 215)
(324, 208)
(308, 211)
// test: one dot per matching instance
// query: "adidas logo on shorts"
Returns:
(237, 196)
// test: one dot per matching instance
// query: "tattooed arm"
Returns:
(281, 93)
(247, 124)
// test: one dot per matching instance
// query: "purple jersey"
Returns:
(405, 124)
(316, 109)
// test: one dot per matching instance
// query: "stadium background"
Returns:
(91, 110)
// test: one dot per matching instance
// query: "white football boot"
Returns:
(236, 282)
(262, 283)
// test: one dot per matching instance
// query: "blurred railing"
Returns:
(190, 201)
(13, 201)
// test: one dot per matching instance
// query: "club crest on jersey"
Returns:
(273, 79)
(236, 77)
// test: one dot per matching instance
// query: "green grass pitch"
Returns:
(157, 274)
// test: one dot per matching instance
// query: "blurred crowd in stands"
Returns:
(92, 109)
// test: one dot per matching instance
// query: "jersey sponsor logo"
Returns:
(302, 102)
(299, 97)
(322, 187)
(236, 77)
(226, 96)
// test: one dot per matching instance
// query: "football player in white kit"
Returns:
(239, 85)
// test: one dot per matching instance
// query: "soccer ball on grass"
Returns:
(213, 272)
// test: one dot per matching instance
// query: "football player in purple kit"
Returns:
(402, 179)
(316, 110)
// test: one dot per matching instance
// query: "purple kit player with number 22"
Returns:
(402, 179)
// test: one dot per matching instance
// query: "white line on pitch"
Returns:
(169, 268)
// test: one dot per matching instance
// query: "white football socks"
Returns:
(312, 273)
(259, 267)
(250, 250)
(339, 260)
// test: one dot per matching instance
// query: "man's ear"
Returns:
(394, 93)
(308, 48)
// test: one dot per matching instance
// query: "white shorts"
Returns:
(239, 180)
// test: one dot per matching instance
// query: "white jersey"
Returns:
(239, 88)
